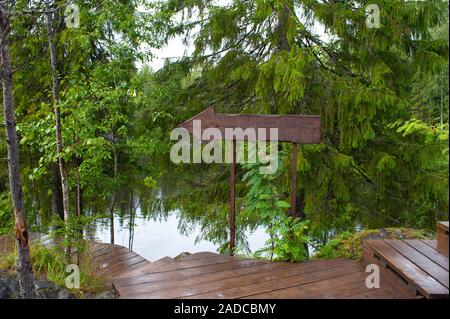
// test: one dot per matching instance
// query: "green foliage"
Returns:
(101, 98)
(350, 244)
(288, 235)
(288, 239)
(345, 245)
(69, 233)
(50, 263)
(6, 220)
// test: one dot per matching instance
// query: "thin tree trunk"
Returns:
(78, 204)
(272, 242)
(78, 190)
(36, 197)
(111, 219)
(24, 271)
(57, 206)
(78, 200)
(57, 110)
(131, 225)
(442, 104)
(113, 199)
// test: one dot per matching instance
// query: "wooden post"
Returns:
(294, 180)
(232, 198)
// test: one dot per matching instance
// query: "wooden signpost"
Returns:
(296, 129)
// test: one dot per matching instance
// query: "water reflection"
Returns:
(154, 238)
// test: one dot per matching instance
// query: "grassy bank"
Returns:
(50, 263)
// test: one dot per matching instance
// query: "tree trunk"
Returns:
(442, 104)
(57, 206)
(111, 219)
(78, 191)
(132, 217)
(25, 274)
(283, 17)
(113, 199)
(57, 110)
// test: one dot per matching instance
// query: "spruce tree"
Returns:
(323, 57)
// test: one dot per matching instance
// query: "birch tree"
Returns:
(24, 271)
(57, 110)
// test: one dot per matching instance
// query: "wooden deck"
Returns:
(412, 268)
(209, 275)
(442, 237)
(408, 269)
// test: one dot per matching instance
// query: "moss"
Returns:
(349, 245)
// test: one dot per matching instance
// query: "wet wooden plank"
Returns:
(160, 265)
(113, 259)
(107, 250)
(416, 277)
(431, 242)
(178, 275)
(420, 260)
(269, 282)
(145, 268)
(180, 286)
(381, 293)
(199, 255)
(129, 267)
(124, 264)
(117, 261)
(96, 247)
(200, 262)
(336, 287)
(431, 253)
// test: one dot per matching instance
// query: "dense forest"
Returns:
(87, 120)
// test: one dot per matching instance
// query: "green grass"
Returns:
(50, 263)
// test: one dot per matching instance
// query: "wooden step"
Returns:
(147, 268)
(410, 268)
(442, 237)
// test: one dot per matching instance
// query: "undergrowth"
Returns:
(349, 245)
(50, 263)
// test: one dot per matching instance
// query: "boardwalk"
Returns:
(209, 275)
(408, 269)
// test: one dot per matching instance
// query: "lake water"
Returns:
(155, 239)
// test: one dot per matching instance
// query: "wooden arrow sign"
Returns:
(303, 129)
(291, 128)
